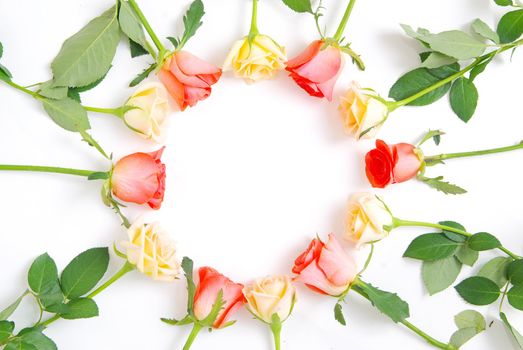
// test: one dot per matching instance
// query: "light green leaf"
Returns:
(6, 330)
(131, 25)
(485, 31)
(5, 74)
(436, 60)
(67, 113)
(483, 241)
(504, 2)
(438, 275)
(8, 311)
(338, 314)
(455, 43)
(515, 334)
(1, 50)
(43, 274)
(174, 322)
(496, 270)
(463, 98)
(140, 77)
(470, 319)
(515, 296)
(388, 303)
(510, 27)
(55, 93)
(18, 344)
(467, 256)
(80, 308)
(430, 247)
(456, 237)
(84, 272)
(443, 186)
(515, 271)
(192, 21)
(300, 6)
(478, 290)
(86, 56)
(461, 336)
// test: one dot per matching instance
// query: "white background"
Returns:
(254, 173)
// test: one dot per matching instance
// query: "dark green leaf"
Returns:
(187, 267)
(478, 290)
(84, 272)
(438, 275)
(67, 113)
(18, 344)
(496, 270)
(515, 296)
(1, 50)
(6, 330)
(466, 255)
(504, 2)
(43, 274)
(430, 247)
(438, 184)
(173, 41)
(215, 310)
(515, 271)
(137, 50)
(388, 303)
(299, 5)
(36, 338)
(480, 68)
(73, 94)
(140, 77)
(456, 237)
(463, 98)
(483, 241)
(5, 74)
(515, 334)
(101, 175)
(90, 86)
(338, 314)
(192, 20)
(173, 322)
(80, 308)
(420, 79)
(510, 27)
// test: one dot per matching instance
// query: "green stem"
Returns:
(194, 333)
(127, 267)
(441, 157)
(432, 341)
(148, 28)
(254, 20)
(394, 105)
(23, 89)
(47, 169)
(276, 332)
(407, 223)
(344, 20)
(117, 112)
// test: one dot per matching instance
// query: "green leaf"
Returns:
(478, 290)
(456, 237)
(86, 56)
(43, 274)
(192, 20)
(5, 74)
(515, 334)
(55, 93)
(338, 314)
(80, 308)
(466, 255)
(388, 303)
(485, 31)
(496, 270)
(419, 79)
(510, 26)
(480, 68)
(483, 241)
(438, 184)
(187, 267)
(504, 2)
(173, 322)
(299, 6)
(67, 113)
(436, 60)
(463, 98)
(174, 41)
(140, 77)
(6, 330)
(100, 175)
(461, 336)
(131, 25)
(438, 275)
(515, 271)
(136, 49)
(1, 50)
(455, 43)
(84, 272)
(430, 247)
(8, 311)
(515, 296)
(36, 338)
(74, 95)
(215, 310)
(18, 344)
(470, 319)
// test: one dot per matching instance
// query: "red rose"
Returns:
(386, 164)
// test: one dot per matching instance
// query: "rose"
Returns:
(188, 79)
(316, 69)
(209, 287)
(366, 219)
(255, 58)
(269, 296)
(152, 251)
(325, 267)
(140, 178)
(152, 108)
(362, 112)
(386, 164)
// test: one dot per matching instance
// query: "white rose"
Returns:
(152, 108)
(366, 218)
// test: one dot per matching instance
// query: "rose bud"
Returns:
(269, 296)
(387, 165)
(140, 178)
(361, 112)
(316, 69)
(151, 110)
(209, 287)
(325, 267)
(256, 58)
(152, 251)
(366, 219)
(188, 79)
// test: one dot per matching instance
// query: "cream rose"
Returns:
(260, 58)
(366, 218)
(269, 296)
(152, 109)
(360, 111)
(152, 251)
